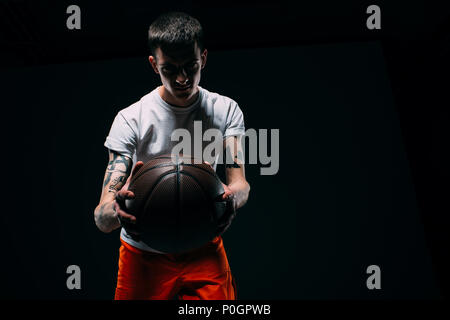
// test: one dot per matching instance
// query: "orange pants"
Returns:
(202, 273)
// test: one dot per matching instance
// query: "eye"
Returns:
(168, 69)
(192, 66)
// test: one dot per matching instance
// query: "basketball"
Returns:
(177, 203)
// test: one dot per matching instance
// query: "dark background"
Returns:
(363, 150)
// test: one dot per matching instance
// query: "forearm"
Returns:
(115, 176)
(106, 217)
(241, 190)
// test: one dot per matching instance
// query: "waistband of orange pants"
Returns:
(216, 241)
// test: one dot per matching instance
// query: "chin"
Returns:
(182, 95)
(186, 93)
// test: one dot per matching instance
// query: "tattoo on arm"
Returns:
(233, 165)
(116, 184)
(119, 168)
(231, 162)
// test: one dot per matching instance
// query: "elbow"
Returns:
(247, 187)
(246, 192)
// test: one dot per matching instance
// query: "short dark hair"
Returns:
(175, 30)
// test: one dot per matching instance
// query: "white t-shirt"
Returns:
(143, 130)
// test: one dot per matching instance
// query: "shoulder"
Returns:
(134, 110)
(218, 101)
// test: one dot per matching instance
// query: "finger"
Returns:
(130, 195)
(227, 195)
(137, 166)
(123, 214)
(131, 220)
(209, 164)
(226, 190)
(122, 195)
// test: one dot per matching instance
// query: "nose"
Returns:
(182, 77)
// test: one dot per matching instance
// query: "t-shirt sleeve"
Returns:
(121, 138)
(235, 122)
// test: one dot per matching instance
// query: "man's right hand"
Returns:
(127, 220)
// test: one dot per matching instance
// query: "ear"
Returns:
(203, 57)
(152, 61)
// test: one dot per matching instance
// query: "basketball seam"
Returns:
(169, 164)
(204, 191)
(148, 194)
(161, 165)
(201, 187)
(138, 174)
(207, 171)
(178, 199)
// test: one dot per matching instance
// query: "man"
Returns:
(143, 130)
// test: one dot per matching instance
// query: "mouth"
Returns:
(185, 88)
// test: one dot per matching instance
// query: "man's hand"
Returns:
(127, 220)
(230, 208)
(228, 194)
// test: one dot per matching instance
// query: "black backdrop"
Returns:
(361, 178)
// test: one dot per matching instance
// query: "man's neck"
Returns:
(167, 97)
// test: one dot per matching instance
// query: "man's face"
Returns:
(180, 70)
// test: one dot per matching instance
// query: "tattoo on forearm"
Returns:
(114, 168)
(233, 165)
(107, 179)
(232, 162)
(116, 184)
